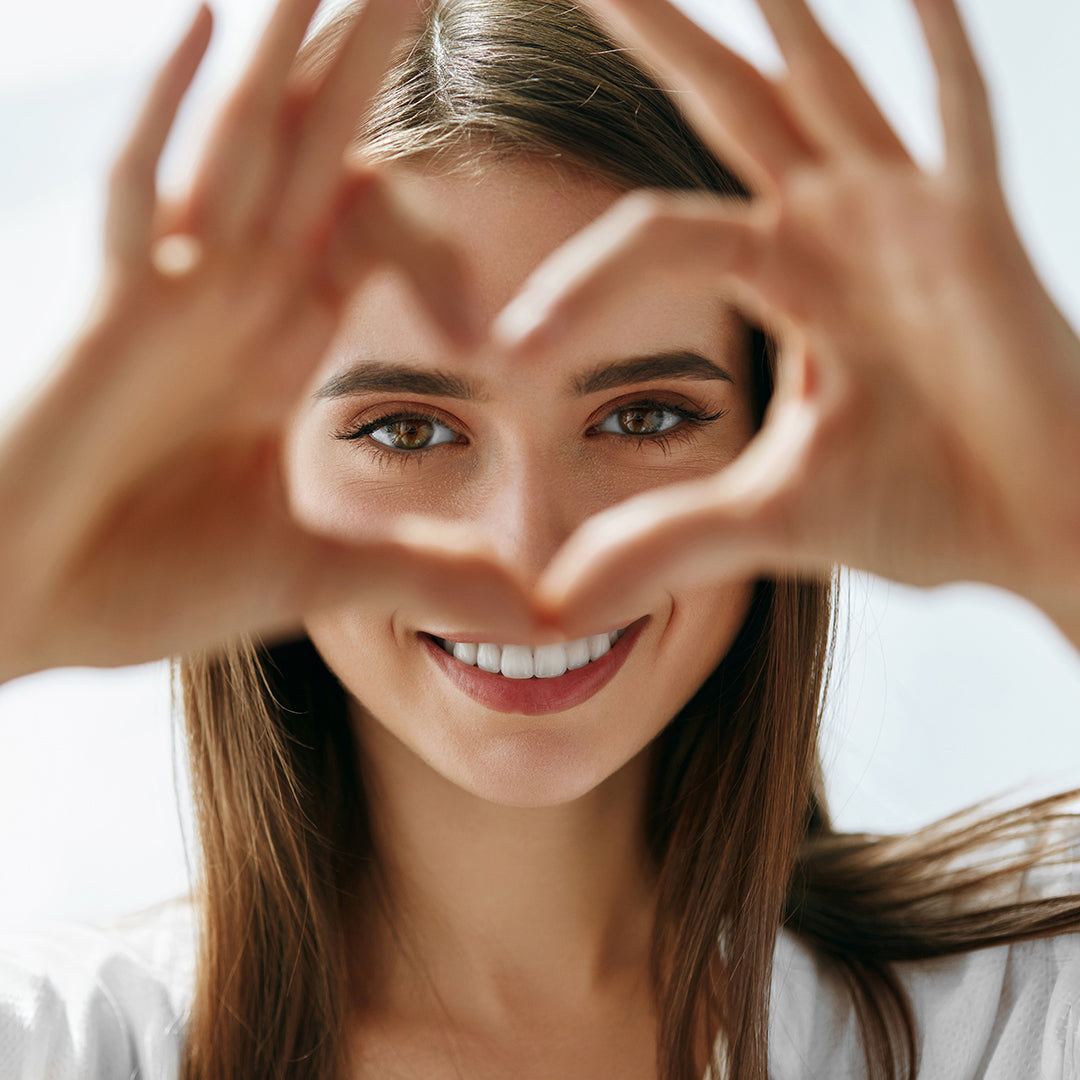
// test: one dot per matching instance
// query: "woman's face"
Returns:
(396, 426)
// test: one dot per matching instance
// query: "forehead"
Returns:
(505, 221)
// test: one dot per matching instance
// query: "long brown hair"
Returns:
(738, 826)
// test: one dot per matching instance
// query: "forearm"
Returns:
(1066, 617)
(18, 613)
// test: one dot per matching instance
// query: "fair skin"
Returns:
(925, 426)
(518, 840)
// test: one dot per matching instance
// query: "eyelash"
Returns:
(385, 454)
(690, 419)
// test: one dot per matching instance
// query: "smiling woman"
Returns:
(664, 394)
(504, 652)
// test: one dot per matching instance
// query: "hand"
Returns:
(926, 424)
(141, 493)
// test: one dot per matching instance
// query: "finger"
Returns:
(237, 169)
(335, 114)
(132, 204)
(970, 147)
(376, 227)
(832, 103)
(444, 579)
(733, 106)
(646, 235)
(741, 522)
(623, 561)
(172, 215)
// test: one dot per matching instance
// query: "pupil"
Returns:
(641, 421)
(410, 434)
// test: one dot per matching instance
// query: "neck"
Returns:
(504, 909)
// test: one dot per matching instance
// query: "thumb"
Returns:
(737, 523)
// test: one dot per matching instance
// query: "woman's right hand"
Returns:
(141, 494)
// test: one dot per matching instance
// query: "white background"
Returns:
(941, 697)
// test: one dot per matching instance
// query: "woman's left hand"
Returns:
(926, 422)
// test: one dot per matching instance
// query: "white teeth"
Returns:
(550, 661)
(521, 662)
(465, 651)
(577, 653)
(488, 658)
(598, 645)
(517, 662)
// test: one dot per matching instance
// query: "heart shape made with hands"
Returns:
(895, 295)
(915, 431)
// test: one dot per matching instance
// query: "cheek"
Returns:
(328, 497)
(360, 646)
(335, 490)
(703, 626)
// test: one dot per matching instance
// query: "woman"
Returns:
(504, 649)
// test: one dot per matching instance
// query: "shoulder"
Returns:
(97, 1002)
(1004, 1012)
(1007, 1012)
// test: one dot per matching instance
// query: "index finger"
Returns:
(232, 175)
(336, 110)
(735, 108)
(133, 189)
(267, 75)
(970, 146)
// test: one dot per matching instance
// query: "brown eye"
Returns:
(405, 434)
(644, 419)
(411, 433)
(641, 421)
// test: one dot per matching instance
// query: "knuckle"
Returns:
(366, 191)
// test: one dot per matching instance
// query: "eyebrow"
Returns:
(679, 364)
(395, 378)
(377, 377)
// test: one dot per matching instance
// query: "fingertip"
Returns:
(192, 48)
(523, 331)
(202, 25)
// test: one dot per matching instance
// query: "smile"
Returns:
(522, 662)
(530, 681)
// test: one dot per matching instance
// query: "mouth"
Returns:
(530, 681)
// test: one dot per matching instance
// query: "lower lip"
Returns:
(531, 697)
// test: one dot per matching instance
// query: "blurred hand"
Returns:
(141, 492)
(926, 424)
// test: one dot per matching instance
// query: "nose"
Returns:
(532, 504)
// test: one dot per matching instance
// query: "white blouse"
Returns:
(78, 1003)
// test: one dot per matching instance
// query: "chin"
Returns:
(505, 760)
(533, 768)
